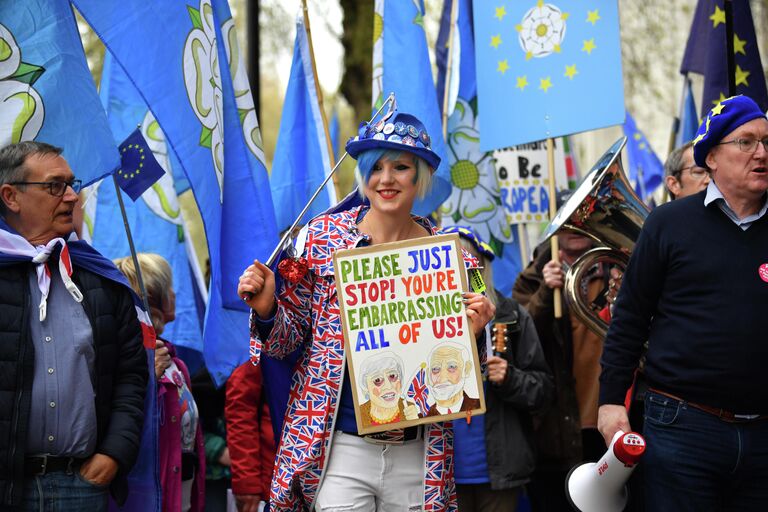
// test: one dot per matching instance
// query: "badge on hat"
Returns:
(398, 131)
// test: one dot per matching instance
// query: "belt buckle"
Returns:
(373, 439)
(43, 466)
(370, 438)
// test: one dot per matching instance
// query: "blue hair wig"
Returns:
(368, 158)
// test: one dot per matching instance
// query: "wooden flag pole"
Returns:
(522, 237)
(558, 296)
(331, 155)
(449, 65)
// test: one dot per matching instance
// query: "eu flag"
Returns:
(645, 168)
(46, 90)
(546, 70)
(705, 53)
(138, 169)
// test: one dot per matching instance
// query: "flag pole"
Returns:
(331, 155)
(272, 257)
(554, 244)
(449, 65)
(522, 237)
(139, 278)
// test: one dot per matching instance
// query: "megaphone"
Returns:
(600, 486)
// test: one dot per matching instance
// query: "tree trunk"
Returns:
(357, 38)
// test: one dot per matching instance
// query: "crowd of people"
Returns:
(685, 331)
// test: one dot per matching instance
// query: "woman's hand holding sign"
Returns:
(480, 311)
(257, 288)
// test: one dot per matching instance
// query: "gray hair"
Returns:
(377, 363)
(675, 159)
(12, 158)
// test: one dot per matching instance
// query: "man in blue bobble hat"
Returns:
(696, 288)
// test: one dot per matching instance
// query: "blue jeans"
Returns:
(60, 491)
(698, 462)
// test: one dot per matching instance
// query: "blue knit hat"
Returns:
(397, 131)
(469, 234)
(724, 117)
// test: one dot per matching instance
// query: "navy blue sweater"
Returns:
(692, 288)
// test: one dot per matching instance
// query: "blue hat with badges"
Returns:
(724, 117)
(468, 233)
(397, 131)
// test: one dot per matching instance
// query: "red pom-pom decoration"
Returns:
(293, 269)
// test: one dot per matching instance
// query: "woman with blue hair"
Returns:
(322, 463)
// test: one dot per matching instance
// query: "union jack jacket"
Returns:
(308, 315)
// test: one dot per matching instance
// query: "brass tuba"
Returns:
(606, 209)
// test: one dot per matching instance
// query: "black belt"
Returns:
(36, 466)
(409, 434)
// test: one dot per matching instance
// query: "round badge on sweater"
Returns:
(763, 271)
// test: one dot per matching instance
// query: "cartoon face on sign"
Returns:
(449, 366)
(381, 380)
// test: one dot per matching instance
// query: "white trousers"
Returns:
(366, 477)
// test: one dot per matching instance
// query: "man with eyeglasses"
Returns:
(696, 288)
(73, 372)
(682, 176)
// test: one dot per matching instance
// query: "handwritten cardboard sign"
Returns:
(524, 180)
(410, 351)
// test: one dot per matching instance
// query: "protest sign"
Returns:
(410, 351)
(524, 180)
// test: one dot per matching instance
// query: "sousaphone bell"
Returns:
(606, 209)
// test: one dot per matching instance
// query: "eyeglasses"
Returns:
(747, 145)
(696, 172)
(55, 188)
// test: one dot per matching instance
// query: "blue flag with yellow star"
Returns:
(645, 168)
(705, 53)
(138, 169)
(546, 69)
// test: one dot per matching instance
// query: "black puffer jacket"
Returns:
(121, 375)
(509, 440)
